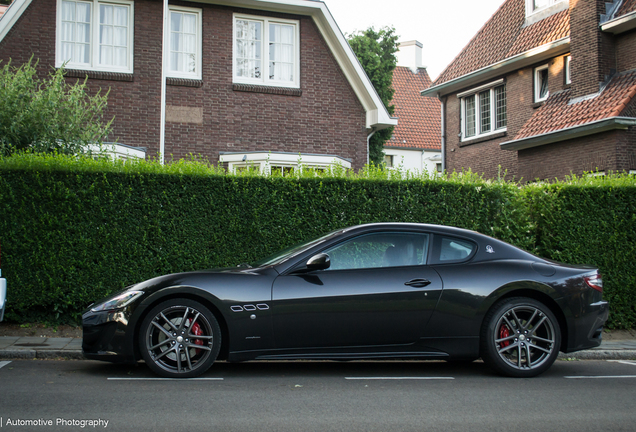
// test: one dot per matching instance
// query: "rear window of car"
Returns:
(452, 249)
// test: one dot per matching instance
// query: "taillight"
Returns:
(595, 282)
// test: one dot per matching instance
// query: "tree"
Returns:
(376, 52)
(48, 115)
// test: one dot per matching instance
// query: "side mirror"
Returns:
(319, 262)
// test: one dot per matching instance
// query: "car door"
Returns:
(377, 291)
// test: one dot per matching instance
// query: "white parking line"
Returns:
(627, 362)
(4, 363)
(164, 379)
(399, 378)
(600, 376)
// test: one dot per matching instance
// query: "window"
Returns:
(533, 6)
(438, 168)
(266, 51)
(379, 250)
(455, 250)
(388, 160)
(282, 163)
(541, 91)
(566, 69)
(95, 35)
(185, 43)
(483, 111)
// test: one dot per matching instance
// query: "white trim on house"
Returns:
(264, 161)
(567, 67)
(553, 6)
(11, 16)
(492, 114)
(264, 54)
(94, 62)
(197, 74)
(519, 61)
(118, 151)
(603, 125)
(538, 83)
(377, 117)
(621, 24)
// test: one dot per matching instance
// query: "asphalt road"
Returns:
(319, 396)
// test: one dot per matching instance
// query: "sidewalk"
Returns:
(14, 347)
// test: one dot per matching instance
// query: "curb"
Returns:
(599, 354)
(42, 355)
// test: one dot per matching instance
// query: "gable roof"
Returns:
(377, 116)
(419, 118)
(505, 43)
(503, 36)
(562, 117)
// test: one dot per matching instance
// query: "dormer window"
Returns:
(536, 6)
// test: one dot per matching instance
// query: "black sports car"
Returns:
(376, 291)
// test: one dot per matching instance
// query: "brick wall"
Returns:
(486, 156)
(626, 51)
(593, 53)
(607, 151)
(327, 118)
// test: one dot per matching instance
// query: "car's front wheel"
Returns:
(179, 338)
(520, 337)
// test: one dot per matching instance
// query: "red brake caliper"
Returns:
(504, 332)
(196, 330)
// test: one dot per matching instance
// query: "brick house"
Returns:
(546, 88)
(314, 101)
(416, 143)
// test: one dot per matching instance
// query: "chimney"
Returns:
(593, 59)
(410, 55)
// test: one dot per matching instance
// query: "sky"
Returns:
(444, 27)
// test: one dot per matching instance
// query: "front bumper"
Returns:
(107, 336)
(587, 331)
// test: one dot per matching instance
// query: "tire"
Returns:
(520, 337)
(179, 338)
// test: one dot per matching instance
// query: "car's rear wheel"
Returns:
(520, 337)
(179, 338)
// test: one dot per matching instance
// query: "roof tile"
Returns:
(504, 36)
(419, 124)
(559, 113)
(628, 6)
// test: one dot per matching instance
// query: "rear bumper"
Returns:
(587, 331)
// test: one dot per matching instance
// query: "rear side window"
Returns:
(452, 249)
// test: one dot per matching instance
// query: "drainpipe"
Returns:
(368, 140)
(164, 54)
(443, 106)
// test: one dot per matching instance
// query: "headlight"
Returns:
(119, 301)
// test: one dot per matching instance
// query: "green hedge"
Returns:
(74, 230)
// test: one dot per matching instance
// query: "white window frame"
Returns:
(567, 70)
(530, 10)
(197, 74)
(493, 111)
(264, 161)
(94, 39)
(537, 84)
(265, 80)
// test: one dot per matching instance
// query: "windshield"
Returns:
(292, 251)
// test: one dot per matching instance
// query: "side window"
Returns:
(380, 250)
(453, 249)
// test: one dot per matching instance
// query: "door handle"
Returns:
(418, 283)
